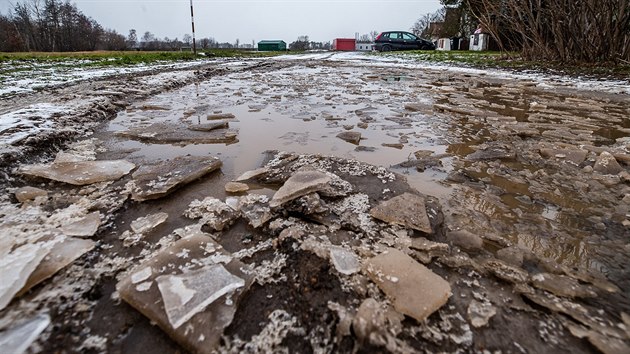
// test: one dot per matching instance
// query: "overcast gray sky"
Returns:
(247, 20)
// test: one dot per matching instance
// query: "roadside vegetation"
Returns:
(514, 61)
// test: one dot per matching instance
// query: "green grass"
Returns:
(107, 58)
(513, 61)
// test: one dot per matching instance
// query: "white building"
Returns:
(443, 44)
(364, 46)
(480, 40)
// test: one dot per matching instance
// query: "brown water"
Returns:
(303, 107)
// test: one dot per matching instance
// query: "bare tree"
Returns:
(422, 26)
(187, 39)
(365, 38)
(132, 39)
(302, 43)
(561, 30)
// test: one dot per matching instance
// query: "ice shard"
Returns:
(413, 288)
(17, 339)
(61, 254)
(407, 210)
(300, 183)
(16, 267)
(148, 223)
(163, 177)
(85, 227)
(344, 260)
(80, 173)
(191, 290)
(188, 294)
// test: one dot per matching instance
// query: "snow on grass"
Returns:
(18, 125)
(30, 77)
(545, 81)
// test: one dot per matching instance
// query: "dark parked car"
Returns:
(398, 40)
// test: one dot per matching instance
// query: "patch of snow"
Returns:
(18, 125)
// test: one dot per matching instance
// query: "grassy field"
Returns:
(128, 57)
(511, 61)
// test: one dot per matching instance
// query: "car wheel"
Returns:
(386, 48)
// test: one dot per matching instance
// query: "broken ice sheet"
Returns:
(199, 328)
(300, 183)
(562, 285)
(85, 227)
(27, 193)
(188, 294)
(16, 267)
(148, 223)
(413, 288)
(252, 174)
(17, 339)
(344, 260)
(61, 254)
(156, 180)
(166, 133)
(80, 173)
(408, 210)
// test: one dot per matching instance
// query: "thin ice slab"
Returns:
(26, 194)
(163, 133)
(80, 173)
(163, 177)
(299, 184)
(408, 210)
(17, 339)
(190, 289)
(85, 227)
(148, 223)
(345, 261)
(206, 127)
(187, 294)
(61, 254)
(16, 267)
(413, 288)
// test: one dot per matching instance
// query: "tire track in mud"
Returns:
(93, 102)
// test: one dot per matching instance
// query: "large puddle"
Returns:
(289, 110)
(401, 114)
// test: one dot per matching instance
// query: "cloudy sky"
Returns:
(247, 20)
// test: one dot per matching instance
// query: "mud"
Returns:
(525, 183)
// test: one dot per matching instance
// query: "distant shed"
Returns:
(273, 45)
(364, 46)
(345, 44)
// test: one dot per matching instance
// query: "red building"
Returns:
(345, 44)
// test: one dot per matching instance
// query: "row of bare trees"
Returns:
(53, 25)
(58, 26)
(559, 30)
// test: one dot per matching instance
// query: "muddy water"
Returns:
(271, 113)
(526, 199)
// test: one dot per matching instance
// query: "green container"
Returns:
(272, 46)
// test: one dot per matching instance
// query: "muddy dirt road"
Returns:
(316, 203)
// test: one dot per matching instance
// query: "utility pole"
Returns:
(192, 20)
